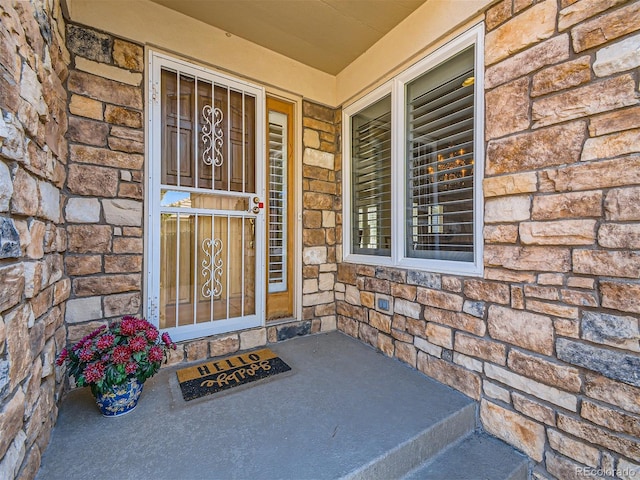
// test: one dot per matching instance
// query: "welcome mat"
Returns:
(212, 377)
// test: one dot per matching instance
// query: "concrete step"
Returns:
(411, 453)
(475, 457)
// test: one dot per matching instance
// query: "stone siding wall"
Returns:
(321, 215)
(33, 287)
(548, 340)
(103, 208)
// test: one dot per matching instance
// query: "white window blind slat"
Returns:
(371, 179)
(277, 236)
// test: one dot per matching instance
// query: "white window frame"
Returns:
(397, 88)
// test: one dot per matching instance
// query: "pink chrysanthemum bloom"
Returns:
(131, 367)
(64, 354)
(121, 354)
(105, 341)
(94, 372)
(137, 344)
(151, 334)
(156, 354)
(86, 355)
(128, 326)
(166, 339)
(141, 324)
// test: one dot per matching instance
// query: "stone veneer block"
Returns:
(25, 194)
(562, 76)
(48, 201)
(318, 158)
(567, 205)
(83, 309)
(82, 210)
(619, 57)
(11, 285)
(613, 235)
(525, 329)
(536, 258)
(89, 43)
(85, 107)
(123, 212)
(612, 145)
(617, 331)
(621, 204)
(620, 296)
(106, 158)
(561, 232)
(450, 374)
(544, 371)
(513, 428)
(510, 184)
(607, 27)
(625, 264)
(507, 209)
(92, 180)
(108, 71)
(587, 176)
(122, 304)
(615, 121)
(491, 351)
(612, 363)
(598, 436)
(507, 109)
(11, 422)
(538, 149)
(579, 451)
(610, 94)
(533, 409)
(128, 55)
(616, 393)
(524, 384)
(549, 52)
(535, 24)
(579, 11)
(18, 343)
(105, 90)
(6, 186)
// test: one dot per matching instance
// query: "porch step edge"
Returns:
(478, 456)
(410, 454)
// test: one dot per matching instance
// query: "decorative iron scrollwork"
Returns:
(212, 136)
(212, 267)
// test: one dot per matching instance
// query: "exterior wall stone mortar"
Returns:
(104, 191)
(321, 217)
(33, 285)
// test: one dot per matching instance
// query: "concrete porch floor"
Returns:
(342, 408)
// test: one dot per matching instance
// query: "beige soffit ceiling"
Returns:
(324, 34)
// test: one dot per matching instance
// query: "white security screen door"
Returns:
(206, 216)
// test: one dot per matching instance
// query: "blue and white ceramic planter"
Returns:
(121, 399)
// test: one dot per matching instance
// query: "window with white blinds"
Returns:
(414, 152)
(371, 179)
(439, 157)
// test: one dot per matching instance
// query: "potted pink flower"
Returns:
(115, 361)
